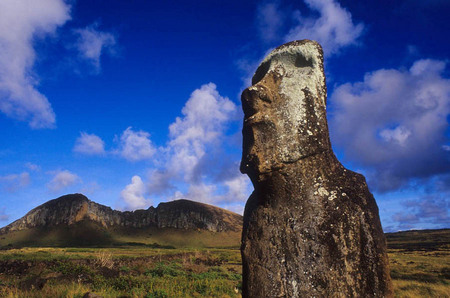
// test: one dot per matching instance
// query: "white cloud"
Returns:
(333, 29)
(89, 144)
(133, 194)
(21, 23)
(398, 135)
(198, 192)
(203, 123)
(135, 145)
(394, 123)
(14, 182)
(92, 43)
(62, 180)
(207, 193)
(195, 156)
(239, 188)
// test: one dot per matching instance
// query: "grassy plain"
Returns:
(87, 233)
(120, 272)
(420, 267)
(420, 263)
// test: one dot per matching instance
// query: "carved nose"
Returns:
(254, 99)
(248, 103)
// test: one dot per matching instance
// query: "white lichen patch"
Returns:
(300, 67)
(333, 195)
(322, 192)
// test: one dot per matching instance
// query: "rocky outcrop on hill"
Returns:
(180, 214)
(311, 227)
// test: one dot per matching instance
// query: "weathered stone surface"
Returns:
(311, 227)
(180, 214)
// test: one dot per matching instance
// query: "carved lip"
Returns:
(256, 118)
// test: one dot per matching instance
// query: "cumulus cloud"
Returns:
(132, 145)
(14, 182)
(92, 43)
(194, 164)
(62, 180)
(90, 144)
(135, 145)
(397, 135)
(21, 23)
(199, 192)
(202, 128)
(394, 123)
(233, 192)
(205, 106)
(133, 194)
(333, 29)
(205, 115)
(327, 22)
(195, 155)
(239, 188)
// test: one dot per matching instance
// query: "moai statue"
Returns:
(311, 227)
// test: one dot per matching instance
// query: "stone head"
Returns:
(285, 109)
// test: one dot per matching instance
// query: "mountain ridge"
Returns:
(76, 212)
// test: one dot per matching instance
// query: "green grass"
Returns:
(417, 270)
(132, 271)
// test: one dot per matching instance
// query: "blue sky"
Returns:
(138, 102)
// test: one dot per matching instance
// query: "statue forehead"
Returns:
(284, 80)
(299, 64)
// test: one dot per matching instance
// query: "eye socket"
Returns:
(301, 61)
(297, 60)
(260, 72)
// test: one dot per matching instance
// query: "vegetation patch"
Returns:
(419, 263)
(142, 271)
